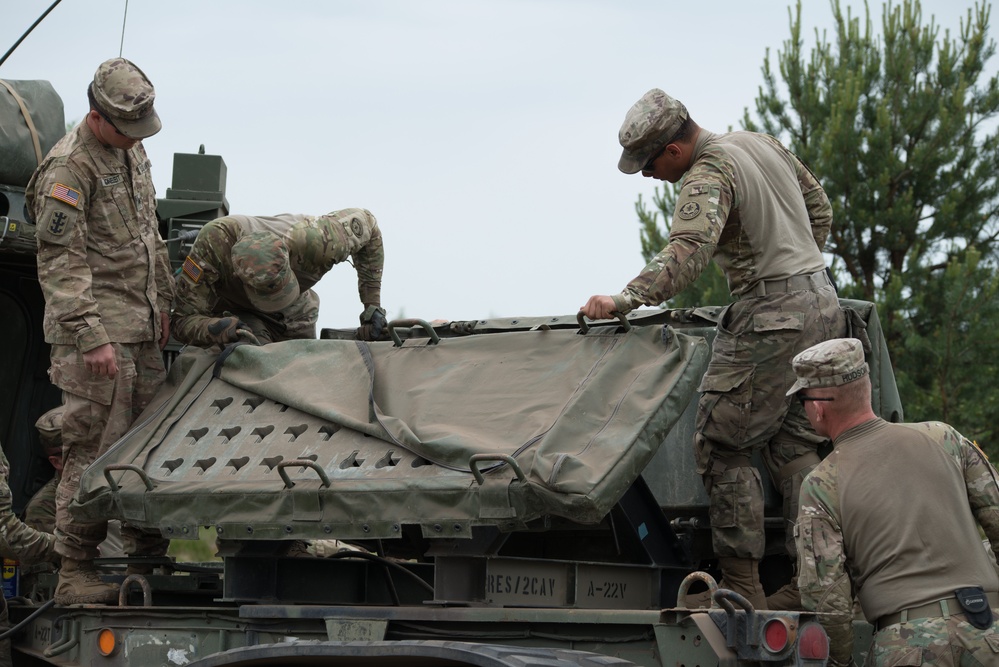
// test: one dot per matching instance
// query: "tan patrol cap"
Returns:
(651, 122)
(125, 95)
(261, 261)
(49, 427)
(830, 363)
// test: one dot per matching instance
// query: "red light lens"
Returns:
(775, 634)
(813, 643)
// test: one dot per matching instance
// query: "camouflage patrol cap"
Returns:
(49, 427)
(830, 363)
(124, 93)
(648, 127)
(261, 261)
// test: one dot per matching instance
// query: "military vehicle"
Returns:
(507, 491)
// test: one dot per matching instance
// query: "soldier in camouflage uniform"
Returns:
(892, 516)
(251, 277)
(105, 275)
(19, 541)
(752, 206)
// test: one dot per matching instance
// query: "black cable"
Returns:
(30, 618)
(384, 561)
(28, 31)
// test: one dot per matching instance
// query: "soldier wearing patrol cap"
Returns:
(105, 275)
(752, 206)
(250, 277)
(892, 516)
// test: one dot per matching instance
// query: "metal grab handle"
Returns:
(71, 639)
(301, 463)
(681, 593)
(434, 338)
(584, 327)
(147, 592)
(108, 469)
(509, 460)
(725, 598)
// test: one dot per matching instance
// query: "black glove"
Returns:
(225, 330)
(374, 324)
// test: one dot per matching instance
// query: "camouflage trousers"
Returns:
(295, 322)
(743, 410)
(942, 642)
(98, 411)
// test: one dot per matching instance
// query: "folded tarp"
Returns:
(314, 438)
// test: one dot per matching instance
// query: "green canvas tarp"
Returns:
(320, 438)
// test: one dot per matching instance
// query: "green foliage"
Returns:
(710, 288)
(899, 127)
(201, 550)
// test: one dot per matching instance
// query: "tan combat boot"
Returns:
(742, 576)
(786, 598)
(700, 600)
(79, 583)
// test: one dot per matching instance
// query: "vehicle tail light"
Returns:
(776, 635)
(813, 643)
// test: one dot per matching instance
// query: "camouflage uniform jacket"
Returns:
(749, 203)
(892, 515)
(102, 265)
(207, 287)
(17, 540)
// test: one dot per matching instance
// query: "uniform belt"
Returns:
(946, 607)
(792, 284)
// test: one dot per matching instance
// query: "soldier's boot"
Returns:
(787, 598)
(79, 583)
(298, 549)
(700, 600)
(742, 576)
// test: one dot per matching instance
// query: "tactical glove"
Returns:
(225, 330)
(373, 323)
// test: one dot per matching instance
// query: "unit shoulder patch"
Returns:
(689, 211)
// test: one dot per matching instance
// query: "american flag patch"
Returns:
(65, 193)
(192, 270)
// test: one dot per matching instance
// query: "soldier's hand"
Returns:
(225, 330)
(247, 336)
(101, 360)
(599, 307)
(374, 323)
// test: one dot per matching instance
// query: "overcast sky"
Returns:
(481, 133)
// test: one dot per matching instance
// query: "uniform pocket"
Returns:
(726, 402)
(894, 656)
(73, 377)
(112, 219)
(778, 321)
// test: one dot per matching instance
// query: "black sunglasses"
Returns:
(109, 121)
(802, 398)
(648, 165)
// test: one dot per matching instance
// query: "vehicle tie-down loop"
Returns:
(307, 506)
(494, 491)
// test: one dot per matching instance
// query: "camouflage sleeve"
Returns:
(369, 260)
(702, 208)
(164, 278)
(60, 208)
(194, 301)
(816, 202)
(822, 576)
(40, 510)
(16, 539)
(982, 482)
(350, 232)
